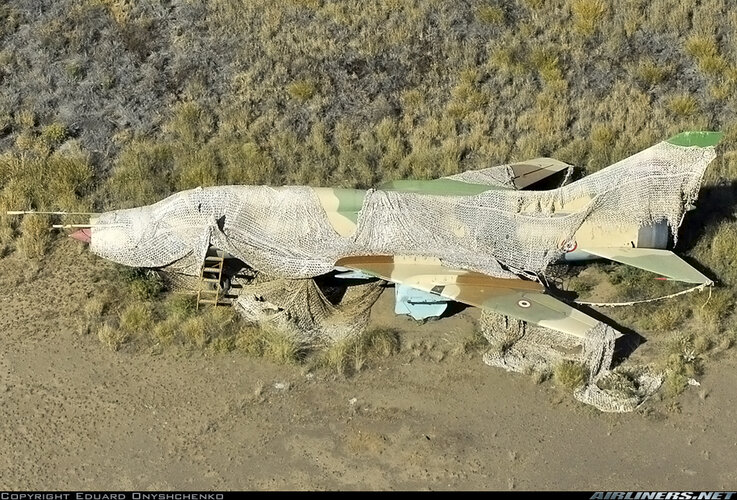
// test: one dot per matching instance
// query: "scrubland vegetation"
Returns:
(135, 313)
(117, 103)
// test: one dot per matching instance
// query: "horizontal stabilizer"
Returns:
(529, 172)
(662, 262)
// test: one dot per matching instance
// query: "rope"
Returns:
(634, 302)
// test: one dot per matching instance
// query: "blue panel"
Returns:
(418, 304)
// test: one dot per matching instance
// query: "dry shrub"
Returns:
(166, 331)
(141, 174)
(112, 337)
(270, 343)
(570, 374)
(302, 90)
(588, 15)
(35, 236)
(351, 355)
(136, 318)
(683, 105)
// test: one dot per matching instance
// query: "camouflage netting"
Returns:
(285, 232)
(300, 309)
(519, 347)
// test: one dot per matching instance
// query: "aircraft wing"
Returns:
(529, 172)
(524, 300)
(662, 262)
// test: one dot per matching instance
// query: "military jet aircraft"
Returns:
(481, 238)
(424, 286)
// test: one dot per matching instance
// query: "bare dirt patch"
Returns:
(77, 415)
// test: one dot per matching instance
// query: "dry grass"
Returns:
(683, 105)
(270, 343)
(164, 332)
(570, 375)
(588, 15)
(141, 174)
(490, 14)
(95, 307)
(684, 361)
(142, 284)
(722, 257)
(351, 355)
(242, 96)
(474, 343)
(112, 337)
(180, 305)
(229, 92)
(302, 90)
(668, 318)
(705, 51)
(652, 73)
(35, 236)
(193, 332)
(711, 311)
(215, 328)
(136, 318)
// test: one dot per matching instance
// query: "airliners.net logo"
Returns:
(663, 495)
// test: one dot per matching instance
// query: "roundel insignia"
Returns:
(524, 303)
(569, 246)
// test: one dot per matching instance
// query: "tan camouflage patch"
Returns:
(331, 204)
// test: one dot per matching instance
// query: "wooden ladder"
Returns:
(212, 273)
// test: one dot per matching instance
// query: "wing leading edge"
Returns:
(524, 300)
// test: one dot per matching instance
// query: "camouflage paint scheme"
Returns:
(430, 280)
(524, 300)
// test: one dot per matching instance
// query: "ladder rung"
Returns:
(217, 292)
(211, 270)
(214, 258)
(211, 280)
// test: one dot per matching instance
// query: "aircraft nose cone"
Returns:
(83, 235)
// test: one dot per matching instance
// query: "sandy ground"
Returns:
(78, 416)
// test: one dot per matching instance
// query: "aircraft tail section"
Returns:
(664, 150)
(701, 139)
